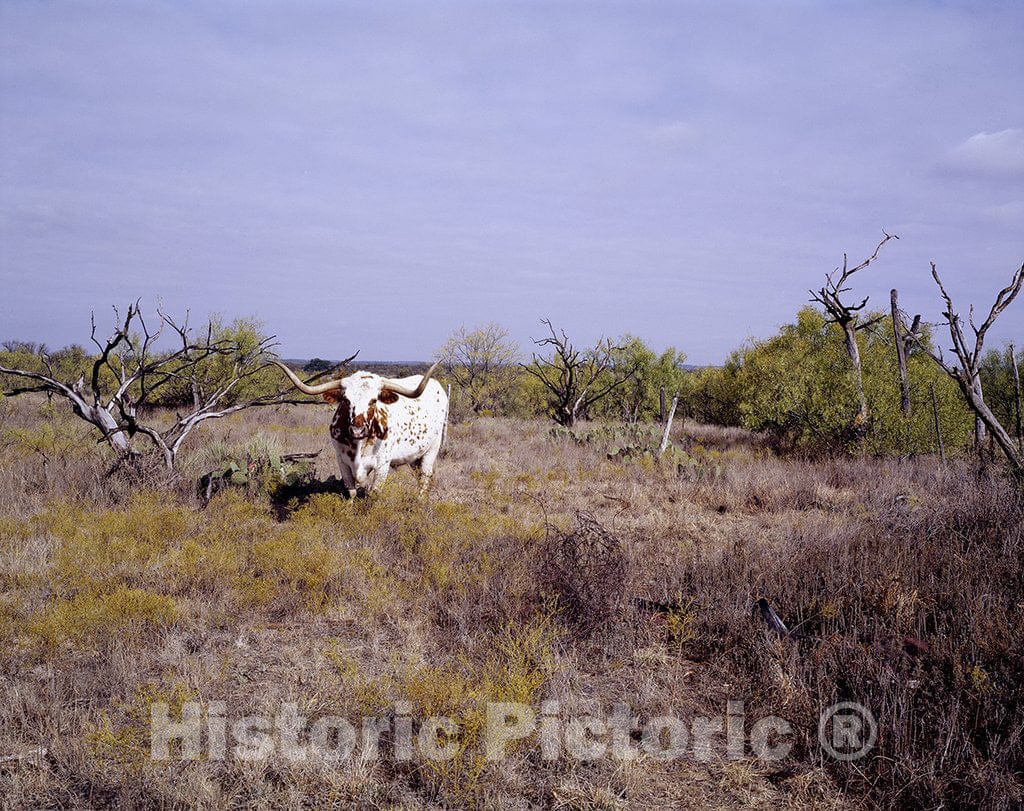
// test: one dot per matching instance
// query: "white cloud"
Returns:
(997, 153)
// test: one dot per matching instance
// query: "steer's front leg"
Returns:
(379, 475)
(348, 476)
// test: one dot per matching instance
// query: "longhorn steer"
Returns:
(380, 422)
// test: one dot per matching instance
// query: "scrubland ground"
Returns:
(539, 570)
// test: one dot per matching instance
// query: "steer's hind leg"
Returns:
(425, 469)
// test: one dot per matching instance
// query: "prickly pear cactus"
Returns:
(267, 472)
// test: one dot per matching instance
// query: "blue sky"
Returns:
(373, 176)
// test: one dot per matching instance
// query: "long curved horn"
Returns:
(410, 391)
(330, 385)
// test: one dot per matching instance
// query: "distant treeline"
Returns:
(797, 384)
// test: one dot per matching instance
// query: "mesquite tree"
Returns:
(967, 372)
(576, 379)
(483, 363)
(212, 371)
(846, 315)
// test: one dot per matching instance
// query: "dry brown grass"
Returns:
(902, 581)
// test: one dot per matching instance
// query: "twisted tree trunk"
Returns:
(860, 419)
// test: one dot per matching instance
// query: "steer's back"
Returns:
(416, 425)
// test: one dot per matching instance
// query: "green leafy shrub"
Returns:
(798, 385)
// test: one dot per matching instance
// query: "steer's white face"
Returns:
(361, 408)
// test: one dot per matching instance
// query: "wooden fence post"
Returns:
(661, 406)
(668, 426)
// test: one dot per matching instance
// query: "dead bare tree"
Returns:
(967, 372)
(575, 379)
(904, 340)
(129, 372)
(846, 315)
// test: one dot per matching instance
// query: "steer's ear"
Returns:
(333, 396)
(387, 397)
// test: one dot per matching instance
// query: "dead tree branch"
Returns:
(845, 315)
(129, 370)
(575, 379)
(967, 371)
